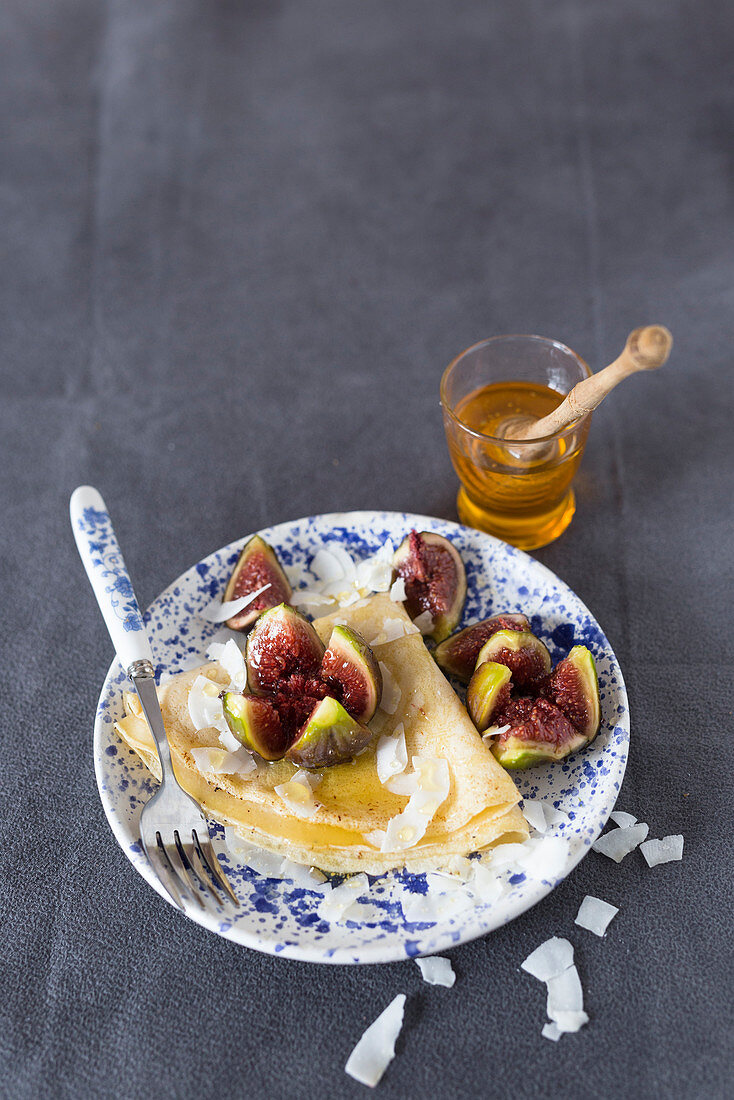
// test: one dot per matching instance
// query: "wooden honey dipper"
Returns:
(646, 349)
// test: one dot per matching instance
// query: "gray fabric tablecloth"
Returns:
(240, 242)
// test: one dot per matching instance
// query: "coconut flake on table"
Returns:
(549, 960)
(231, 658)
(338, 901)
(424, 622)
(437, 970)
(297, 794)
(392, 755)
(619, 817)
(551, 1031)
(620, 842)
(595, 915)
(222, 762)
(667, 850)
(376, 1049)
(391, 693)
(564, 993)
(397, 591)
(218, 612)
(432, 789)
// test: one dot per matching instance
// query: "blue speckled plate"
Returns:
(280, 916)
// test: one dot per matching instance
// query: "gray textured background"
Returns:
(240, 242)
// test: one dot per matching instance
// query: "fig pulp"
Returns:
(539, 731)
(488, 693)
(458, 654)
(574, 688)
(351, 673)
(282, 645)
(330, 736)
(255, 722)
(525, 655)
(435, 580)
(256, 566)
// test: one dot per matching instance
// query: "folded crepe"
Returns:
(353, 806)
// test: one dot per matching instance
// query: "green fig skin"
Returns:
(525, 655)
(574, 687)
(515, 753)
(488, 692)
(350, 667)
(458, 654)
(257, 565)
(330, 736)
(255, 723)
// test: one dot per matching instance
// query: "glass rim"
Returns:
(447, 407)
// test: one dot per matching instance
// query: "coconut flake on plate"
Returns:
(392, 755)
(222, 762)
(297, 794)
(432, 789)
(436, 970)
(228, 740)
(326, 566)
(534, 814)
(424, 622)
(667, 850)
(376, 1049)
(554, 816)
(486, 886)
(218, 612)
(510, 855)
(257, 859)
(312, 599)
(310, 878)
(431, 907)
(391, 693)
(397, 591)
(595, 915)
(549, 960)
(620, 842)
(231, 658)
(374, 574)
(619, 817)
(338, 901)
(547, 860)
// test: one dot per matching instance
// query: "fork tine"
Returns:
(185, 868)
(161, 864)
(199, 872)
(208, 857)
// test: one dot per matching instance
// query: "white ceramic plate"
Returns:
(280, 915)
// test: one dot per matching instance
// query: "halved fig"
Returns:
(458, 654)
(435, 580)
(488, 693)
(574, 687)
(330, 736)
(539, 731)
(256, 724)
(282, 644)
(256, 566)
(351, 673)
(525, 655)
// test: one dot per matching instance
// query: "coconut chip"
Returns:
(297, 794)
(392, 755)
(230, 657)
(424, 622)
(437, 970)
(549, 960)
(392, 629)
(619, 817)
(397, 591)
(221, 762)
(551, 1031)
(374, 574)
(205, 706)
(218, 611)
(433, 784)
(662, 851)
(376, 1049)
(620, 842)
(391, 693)
(338, 901)
(534, 814)
(564, 993)
(595, 915)
(494, 731)
(547, 859)
(326, 566)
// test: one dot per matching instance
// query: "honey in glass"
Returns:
(518, 491)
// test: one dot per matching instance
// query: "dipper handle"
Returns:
(646, 349)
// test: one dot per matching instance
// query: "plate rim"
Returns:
(394, 948)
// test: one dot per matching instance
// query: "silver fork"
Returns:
(173, 830)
